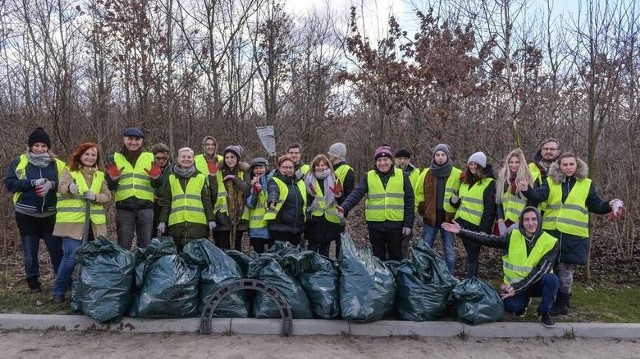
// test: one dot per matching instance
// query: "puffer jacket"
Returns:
(573, 249)
(290, 217)
(28, 201)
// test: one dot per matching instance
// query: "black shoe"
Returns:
(34, 285)
(547, 321)
(57, 298)
(561, 304)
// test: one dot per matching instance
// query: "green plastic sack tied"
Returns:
(367, 287)
(319, 278)
(216, 270)
(102, 291)
(166, 286)
(242, 259)
(424, 285)
(267, 269)
(477, 302)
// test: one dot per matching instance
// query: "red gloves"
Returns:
(113, 171)
(213, 168)
(257, 187)
(154, 172)
(337, 189)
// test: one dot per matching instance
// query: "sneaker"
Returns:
(58, 298)
(547, 321)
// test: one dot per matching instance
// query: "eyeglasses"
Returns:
(161, 158)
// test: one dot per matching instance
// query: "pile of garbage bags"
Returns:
(158, 282)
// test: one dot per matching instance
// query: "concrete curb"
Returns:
(324, 327)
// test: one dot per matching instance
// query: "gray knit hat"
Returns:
(236, 150)
(441, 147)
(338, 150)
(480, 158)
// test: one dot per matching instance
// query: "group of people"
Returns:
(538, 213)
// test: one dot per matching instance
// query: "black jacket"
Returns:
(290, 217)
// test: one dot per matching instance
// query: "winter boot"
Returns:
(560, 306)
(34, 285)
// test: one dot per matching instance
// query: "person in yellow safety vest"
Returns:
(527, 264)
(133, 174)
(435, 186)
(186, 210)
(570, 196)
(229, 191)
(476, 205)
(32, 177)
(509, 200)
(294, 151)
(389, 207)
(544, 157)
(403, 161)
(287, 203)
(337, 154)
(323, 223)
(257, 204)
(81, 185)
(206, 160)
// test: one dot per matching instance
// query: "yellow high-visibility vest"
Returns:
(201, 163)
(329, 212)
(21, 173)
(256, 215)
(186, 205)
(385, 203)
(516, 264)
(221, 198)
(536, 177)
(341, 172)
(134, 181)
(452, 186)
(572, 216)
(472, 204)
(71, 209)
(512, 206)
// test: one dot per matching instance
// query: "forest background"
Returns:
(480, 75)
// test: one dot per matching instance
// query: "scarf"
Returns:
(441, 171)
(41, 160)
(184, 172)
(328, 181)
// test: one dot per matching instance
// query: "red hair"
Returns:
(74, 159)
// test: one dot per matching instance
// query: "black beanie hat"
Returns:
(39, 135)
(403, 152)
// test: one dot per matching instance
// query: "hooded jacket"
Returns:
(573, 249)
(544, 266)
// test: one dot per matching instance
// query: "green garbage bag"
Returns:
(477, 302)
(319, 278)
(424, 285)
(367, 287)
(267, 269)
(166, 286)
(102, 290)
(216, 270)
(242, 259)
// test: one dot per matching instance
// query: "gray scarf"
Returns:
(328, 182)
(184, 172)
(441, 170)
(41, 160)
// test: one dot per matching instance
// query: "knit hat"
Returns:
(403, 152)
(133, 132)
(39, 135)
(441, 147)
(259, 161)
(237, 150)
(382, 151)
(338, 150)
(480, 158)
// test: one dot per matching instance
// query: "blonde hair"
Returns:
(523, 173)
(185, 149)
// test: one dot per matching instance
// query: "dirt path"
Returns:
(55, 344)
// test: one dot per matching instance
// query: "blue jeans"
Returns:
(546, 288)
(31, 246)
(429, 237)
(69, 248)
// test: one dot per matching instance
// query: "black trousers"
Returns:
(386, 242)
